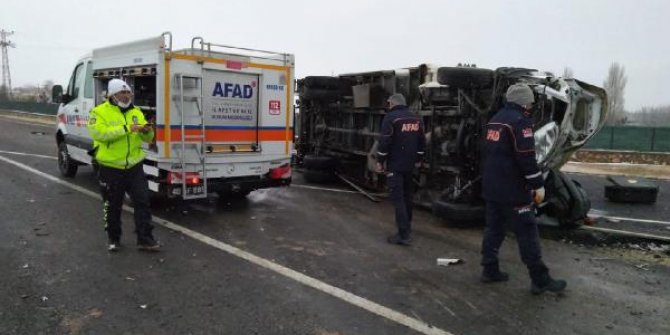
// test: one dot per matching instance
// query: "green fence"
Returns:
(31, 107)
(648, 139)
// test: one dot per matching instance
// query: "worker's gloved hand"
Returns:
(538, 195)
(136, 128)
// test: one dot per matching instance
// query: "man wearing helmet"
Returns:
(118, 129)
(512, 181)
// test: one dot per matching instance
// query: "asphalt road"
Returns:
(295, 260)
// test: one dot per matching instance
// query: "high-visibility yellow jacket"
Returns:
(117, 146)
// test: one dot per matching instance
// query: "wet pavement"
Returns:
(59, 279)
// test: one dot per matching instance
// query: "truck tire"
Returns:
(313, 162)
(66, 165)
(309, 93)
(460, 213)
(322, 82)
(566, 199)
(465, 77)
(318, 177)
(227, 195)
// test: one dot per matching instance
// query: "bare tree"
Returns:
(568, 73)
(615, 84)
(658, 116)
(47, 85)
(4, 93)
(45, 92)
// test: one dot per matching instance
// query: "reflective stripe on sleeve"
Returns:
(534, 175)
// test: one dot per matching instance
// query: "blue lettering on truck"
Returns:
(230, 90)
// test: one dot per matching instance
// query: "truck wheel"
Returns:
(66, 165)
(233, 195)
(318, 177)
(319, 94)
(465, 77)
(566, 199)
(459, 213)
(322, 82)
(313, 162)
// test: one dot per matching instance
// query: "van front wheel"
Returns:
(66, 165)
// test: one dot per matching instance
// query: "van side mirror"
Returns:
(57, 94)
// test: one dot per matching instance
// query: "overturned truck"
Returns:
(340, 121)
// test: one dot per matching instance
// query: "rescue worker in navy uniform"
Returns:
(512, 182)
(401, 147)
(118, 129)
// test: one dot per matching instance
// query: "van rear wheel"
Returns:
(66, 165)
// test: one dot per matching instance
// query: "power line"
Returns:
(6, 76)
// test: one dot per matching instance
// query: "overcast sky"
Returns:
(332, 37)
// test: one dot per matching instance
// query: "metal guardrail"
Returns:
(31, 107)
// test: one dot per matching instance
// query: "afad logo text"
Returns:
(232, 90)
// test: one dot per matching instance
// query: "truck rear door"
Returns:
(230, 105)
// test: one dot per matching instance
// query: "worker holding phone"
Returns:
(118, 129)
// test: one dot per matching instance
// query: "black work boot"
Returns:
(549, 284)
(148, 244)
(493, 276)
(396, 239)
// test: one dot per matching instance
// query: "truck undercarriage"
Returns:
(340, 120)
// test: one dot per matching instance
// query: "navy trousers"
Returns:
(522, 221)
(402, 190)
(114, 184)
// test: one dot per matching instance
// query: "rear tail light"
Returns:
(282, 172)
(192, 178)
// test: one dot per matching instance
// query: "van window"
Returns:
(75, 83)
(88, 78)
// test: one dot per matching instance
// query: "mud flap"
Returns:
(566, 200)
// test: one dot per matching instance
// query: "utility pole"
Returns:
(6, 76)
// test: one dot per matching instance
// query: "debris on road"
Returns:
(95, 313)
(643, 267)
(449, 261)
(357, 188)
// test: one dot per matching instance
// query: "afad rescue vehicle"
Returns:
(223, 115)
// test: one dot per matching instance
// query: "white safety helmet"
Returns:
(117, 85)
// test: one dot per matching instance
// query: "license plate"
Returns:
(191, 190)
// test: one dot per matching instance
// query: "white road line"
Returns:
(628, 233)
(337, 190)
(321, 188)
(27, 154)
(620, 218)
(339, 293)
(595, 212)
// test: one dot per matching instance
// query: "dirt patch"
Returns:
(619, 169)
(632, 157)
